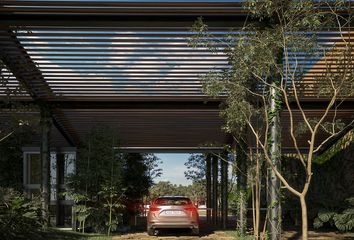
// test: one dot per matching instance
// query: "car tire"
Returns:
(150, 231)
(195, 231)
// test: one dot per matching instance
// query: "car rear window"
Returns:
(173, 201)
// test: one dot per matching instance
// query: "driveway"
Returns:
(172, 235)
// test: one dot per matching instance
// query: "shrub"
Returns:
(20, 217)
(343, 221)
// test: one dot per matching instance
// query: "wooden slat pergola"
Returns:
(129, 65)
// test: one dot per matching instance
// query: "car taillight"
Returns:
(190, 208)
(154, 209)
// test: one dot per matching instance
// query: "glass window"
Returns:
(34, 168)
(173, 201)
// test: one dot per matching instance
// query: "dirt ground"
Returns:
(207, 232)
(221, 235)
(175, 236)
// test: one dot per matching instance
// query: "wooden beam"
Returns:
(29, 75)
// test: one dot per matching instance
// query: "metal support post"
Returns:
(60, 217)
(208, 187)
(224, 190)
(45, 123)
(215, 189)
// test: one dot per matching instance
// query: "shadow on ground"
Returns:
(55, 234)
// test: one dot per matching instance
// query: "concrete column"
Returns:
(45, 124)
(215, 189)
(224, 191)
(208, 187)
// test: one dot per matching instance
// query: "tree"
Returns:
(97, 185)
(267, 72)
(152, 163)
(196, 167)
(197, 191)
(137, 181)
(162, 188)
(11, 157)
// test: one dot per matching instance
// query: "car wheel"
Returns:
(195, 231)
(150, 231)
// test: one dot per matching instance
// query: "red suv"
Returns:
(172, 212)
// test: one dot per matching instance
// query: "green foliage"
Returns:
(136, 178)
(332, 183)
(11, 160)
(345, 141)
(20, 218)
(162, 188)
(196, 191)
(241, 202)
(152, 164)
(271, 53)
(343, 221)
(196, 167)
(96, 187)
(109, 184)
(263, 52)
(137, 181)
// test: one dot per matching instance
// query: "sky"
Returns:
(173, 168)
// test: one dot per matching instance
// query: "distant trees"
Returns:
(152, 164)
(162, 188)
(196, 167)
(196, 191)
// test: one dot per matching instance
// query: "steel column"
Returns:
(215, 190)
(60, 218)
(45, 123)
(208, 187)
(224, 190)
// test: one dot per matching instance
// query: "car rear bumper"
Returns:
(173, 225)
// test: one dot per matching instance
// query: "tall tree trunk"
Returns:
(274, 223)
(304, 217)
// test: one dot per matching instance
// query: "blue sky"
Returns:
(173, 168)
